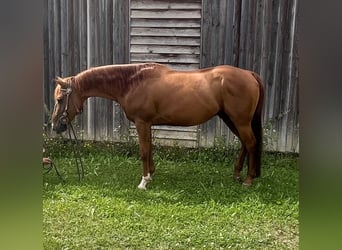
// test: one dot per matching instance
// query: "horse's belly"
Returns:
(185, 113)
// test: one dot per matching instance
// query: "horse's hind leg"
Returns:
(239, 163)
(249, 141)
(242, 155)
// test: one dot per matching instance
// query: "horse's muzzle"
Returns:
(59, 128)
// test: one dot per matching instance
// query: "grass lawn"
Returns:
(192, 202)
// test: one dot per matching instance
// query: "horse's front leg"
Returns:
(145, 147)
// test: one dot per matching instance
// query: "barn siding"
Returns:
(258, 35)
(166, 32)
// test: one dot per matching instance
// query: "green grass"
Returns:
(192, 202)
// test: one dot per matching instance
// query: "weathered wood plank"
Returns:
(165, 40)
(91, 49)
(257, 44)
(164, 58)
(83, 35)
(48, 102)
(236, 33)
(266, 47)
(159, 4)
(120, 32)
(121, 44)
(49, 63)
(57, 35)
(189, 129)
(250, 35)
(162, 14)
(164, 49)
(174, 32)
(103, 107)
(165, 23)
(171, 135)
(183, 66)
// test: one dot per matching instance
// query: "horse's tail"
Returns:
(257, 125)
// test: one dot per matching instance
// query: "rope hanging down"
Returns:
(76, 152)
(49, 167)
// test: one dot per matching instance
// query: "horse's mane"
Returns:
(123, 77)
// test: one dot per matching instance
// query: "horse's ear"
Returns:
(61, 82)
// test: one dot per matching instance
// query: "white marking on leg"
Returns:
(144, 181)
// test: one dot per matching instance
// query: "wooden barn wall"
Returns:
(80, 34)
(260, 35)
(167, 32)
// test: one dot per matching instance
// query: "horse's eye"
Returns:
(59, 100)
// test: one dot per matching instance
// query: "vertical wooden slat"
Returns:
(281, 78)
(120, 36)
(120, 31)
(91, 8)
(99, 118)
(57, 38)
(236, 32)
(266, 48)
(209, 55)
(295, 80)
(75, 53)
(257, 40)
(64, 38)
(83, 34)
(102, 52)
(108, 53)
(287, 128)
(82, 44)
(250, 35)
(48, 55)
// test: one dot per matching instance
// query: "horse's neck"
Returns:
(103, 82)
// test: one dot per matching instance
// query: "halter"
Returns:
(64, 117)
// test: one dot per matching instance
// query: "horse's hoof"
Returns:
(237, 178)
(141, 187)
(246, 184)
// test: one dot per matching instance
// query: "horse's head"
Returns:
(67, 103)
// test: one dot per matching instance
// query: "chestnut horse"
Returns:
(153, 94)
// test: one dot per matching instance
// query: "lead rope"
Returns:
(50, 167)
(76, 148)
(76, 151)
